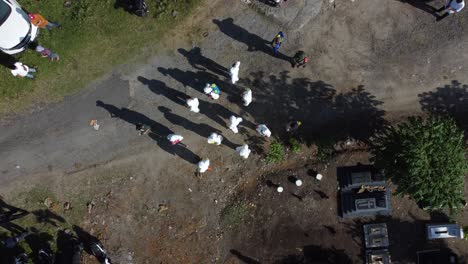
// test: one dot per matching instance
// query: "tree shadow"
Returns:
(67, 244)
(253, 41)
(45, 216)
(422, 5)
(9, 213)
(317, 254)
(202, 63)
(325, 115)
(450, 100)
(39, 241)
(159, 87)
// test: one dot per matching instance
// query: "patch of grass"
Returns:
(325, 150)
(294, 145)
(276, 152)
(235, 213)
(95, 36)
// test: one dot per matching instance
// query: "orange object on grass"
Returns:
(38, 20)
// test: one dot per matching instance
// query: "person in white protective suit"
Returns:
(243, 151)
(175, 139)
(263, 130)
(193, 104)
(212, 90)
(203, 165)
(215, 139)
(247, 97)
(234, 72)
(234, 122)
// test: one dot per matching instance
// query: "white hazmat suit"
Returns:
(243, 151)
(174, 139)
(234, 122)
(234, 71)
(247, 97)
(203, 165)
(193, 104)
(209, 91)
(263, 130)
(215, 139)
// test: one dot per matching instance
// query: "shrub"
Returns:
(426, 159)
(325, 150)
(295, 145)
(276, 152)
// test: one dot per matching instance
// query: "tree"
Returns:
(426, 159)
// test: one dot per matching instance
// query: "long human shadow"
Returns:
(198, 80)
(39, 241)
(219, 113)
(158, 132)
(196, 59)
(201, 129)
(9, 213)
(422, 5)
(243, 258)
(317, 254)
(159, 87)
(450, 100)
(253, 41)
(325, 114)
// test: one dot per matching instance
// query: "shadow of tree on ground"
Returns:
(450, 100)
(325, 114)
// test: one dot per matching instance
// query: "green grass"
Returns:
(294, 145)
(276, 152)
(94, 37)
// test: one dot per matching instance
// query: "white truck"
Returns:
(16, 30)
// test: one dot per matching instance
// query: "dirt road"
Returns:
(369, 59)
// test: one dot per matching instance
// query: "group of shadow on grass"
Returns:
(23, 244)
(327, 116)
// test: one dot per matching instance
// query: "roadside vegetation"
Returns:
(426, 159)
(95, 37)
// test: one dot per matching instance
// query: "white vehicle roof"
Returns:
(14, 24)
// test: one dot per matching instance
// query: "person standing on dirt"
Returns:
(276, 42)
(203, 166)
(234, 72)
(300, 59)
(21, 70)
(40, 22)
(215, 139)
(293, 126)
(263, 130)
(247, 97)
(193, 103)
(454, 6)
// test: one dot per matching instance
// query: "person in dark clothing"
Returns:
(300, 59)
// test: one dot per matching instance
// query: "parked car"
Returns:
(16, 30)
(444, 231)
